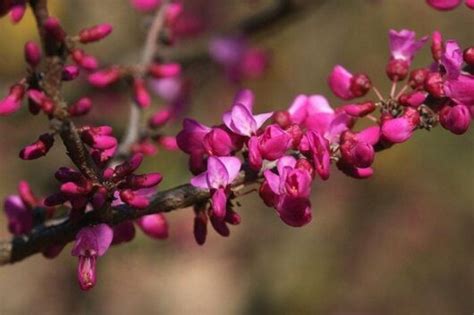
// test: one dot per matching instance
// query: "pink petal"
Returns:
(217, 175)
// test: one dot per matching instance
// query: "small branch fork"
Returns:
(63, 231)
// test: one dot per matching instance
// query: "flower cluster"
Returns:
(102, 198)
(300, 143)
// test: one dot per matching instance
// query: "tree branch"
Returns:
(42, 236)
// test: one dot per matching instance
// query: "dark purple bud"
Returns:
(54, 30)
(397, 69)
(434, 85)
(417, 78)
(200, 227)
(38, 148)
(455, 119)
(282, 118)
(360, 85)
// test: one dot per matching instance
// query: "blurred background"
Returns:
(401, 242)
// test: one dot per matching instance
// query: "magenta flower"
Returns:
(240, 119)
(357, 148)
(315, 113)
(12, 102)
(346, 85)
(271, 145)
(221, 172)
(317, 148)
(291, 189)
(154, 225)
(400, 129)
(452, 59)
(404, 45)
(91, 243)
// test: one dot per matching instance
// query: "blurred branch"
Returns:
(149, 50)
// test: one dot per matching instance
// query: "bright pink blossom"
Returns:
(91, 243)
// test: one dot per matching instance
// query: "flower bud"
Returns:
(360, 85)
(154, 225)
(164, 70)
(66, 174)
(437, 46)
(105, 77)
(434, 85)
(468, 56)
(282, 118)
(84, 60)
(417, 78)
(99, 138)
(54, 30)
(81, 107)
(144, 147)
(17, 12)
(159, 119)
(55, 200)
(455, 119)
(32, 54)
(305, 165)
(75, 189)
(397, 69)
(143, 181)
(70, 72)
(469, 4)
(232, 217)
(94, 33)
(134, 200)
(169, 143)
(26, 195)
(12, 102)
(200, 227)
(359, 110)
(128, 167)
(38, 148)
(413, 99)
(219, 226)
(140, 93)
(444, 4)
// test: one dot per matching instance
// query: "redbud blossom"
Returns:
(200, 227)
(417, 78)
(437, 45)
(221, 172)
(468, 56)
(95, 33)
(91, 243)
(240, 118)
(133, 199)
(398, 130)
(17, 12)
(38, 148)
(149, 180)
(19, 215)
(32, 54)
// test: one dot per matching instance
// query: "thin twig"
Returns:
(132, 132)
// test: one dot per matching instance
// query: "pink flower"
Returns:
(39, 148)
(315, 113)
(452, 59)
(291, 189)
(91, 243)
(221, 172)
(271, 145)
(398, 130)
(240, 119)
(404, 46)
(317, 148)
(346, 85)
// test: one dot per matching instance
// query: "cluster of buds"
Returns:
(300, 143)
